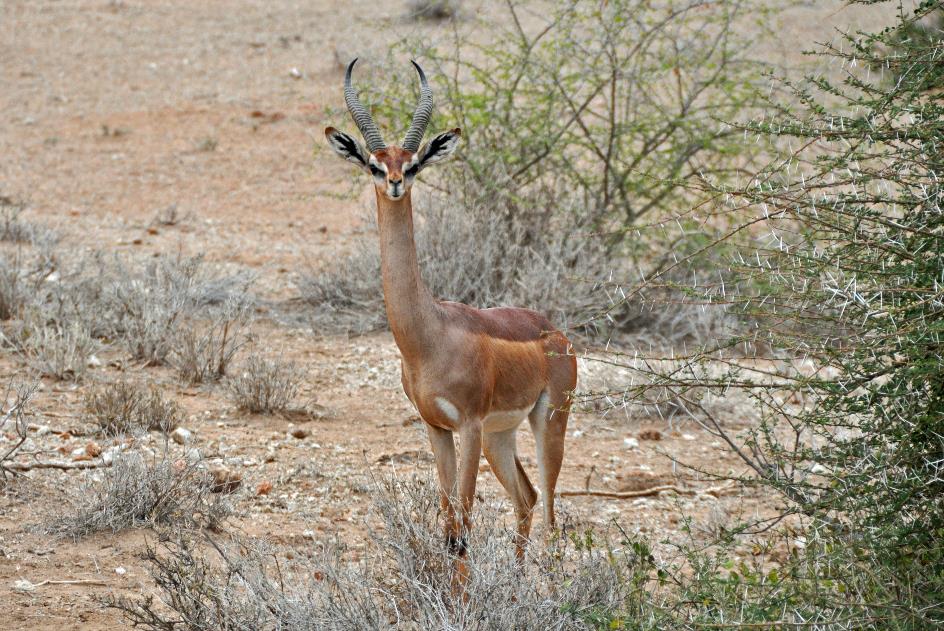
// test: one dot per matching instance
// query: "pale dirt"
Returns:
(110, 110)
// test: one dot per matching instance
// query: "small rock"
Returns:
(688, 437)
(631, 443)
(818, 469)
(42, 430)
(120, 571)
(650, 434)
(295, 73)
(300, 433)
(93, 362)
(93, 449)
(224, 480)
(181, 436)
(109, 456)
(264, 488)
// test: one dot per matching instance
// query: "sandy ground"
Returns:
(114, 112)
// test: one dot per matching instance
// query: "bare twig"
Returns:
(63, 466)
(716, 491)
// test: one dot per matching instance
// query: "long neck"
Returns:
(411, 309)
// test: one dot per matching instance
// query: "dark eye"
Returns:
(375, 171)
(412, 170)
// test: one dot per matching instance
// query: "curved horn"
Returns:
(360, 115)
(424, 110)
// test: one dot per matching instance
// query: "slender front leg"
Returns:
(470, 451)
(444, 452)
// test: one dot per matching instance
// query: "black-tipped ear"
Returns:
(346, 147)
(439, 148)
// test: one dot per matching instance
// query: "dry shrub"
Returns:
(265, 386)
(56, 349)
(12, 296)
(203, 352)
(127, 408)
(142, 307)
(15, 229)
(434, 9)
(14, 420)
(152, 308)
(404, 581)
(139, 493)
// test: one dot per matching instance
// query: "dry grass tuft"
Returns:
(139, 493)
(203, 352)
(265, 386)
(127, 408)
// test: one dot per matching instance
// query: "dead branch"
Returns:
(64, 466)
(716, 491)
(27, 586)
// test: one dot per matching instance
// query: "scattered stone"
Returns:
(688, 437)
(300, 433)
(264, 488)
(224, 480)
(631, 443)
(295, 73)
(93, 362)
(42, 430)
(109, 456)
(181, 436)
(120, 571)
(93, 449)
(650, 434)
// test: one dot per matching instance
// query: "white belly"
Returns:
(497, 420)
(503, 420)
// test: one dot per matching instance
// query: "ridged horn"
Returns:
(424, 110)
(359, 113)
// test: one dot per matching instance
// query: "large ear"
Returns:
(346, 147)
(439, 148)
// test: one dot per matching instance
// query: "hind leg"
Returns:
(548, 421)
(499, 448)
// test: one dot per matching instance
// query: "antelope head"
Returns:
(392, 167)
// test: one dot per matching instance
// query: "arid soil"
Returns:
(114, 112)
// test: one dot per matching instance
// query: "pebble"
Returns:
(224, 480)
(181, 436)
